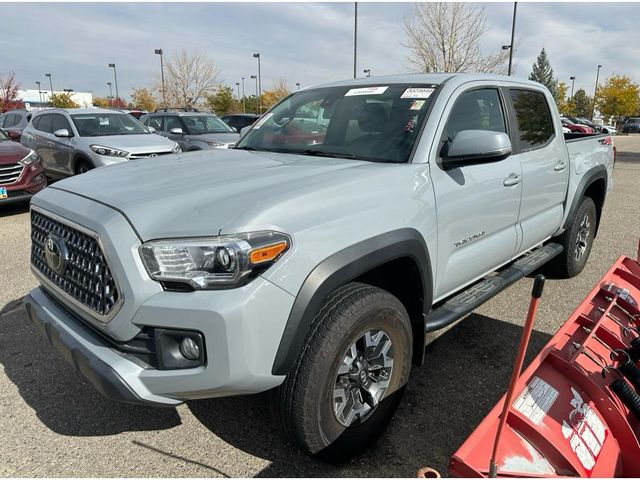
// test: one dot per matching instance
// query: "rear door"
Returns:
(477, 204)
(540, 148)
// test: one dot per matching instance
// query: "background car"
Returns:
(575, 127)
(14, 122)
(632, 125)
(238, 121)
(73, 141)
(21, 174)
(136, 113)
(610, 129)
(192, 130)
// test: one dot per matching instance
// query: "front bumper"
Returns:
(30, 182)
(241, 329)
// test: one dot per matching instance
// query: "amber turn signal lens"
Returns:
(266, 254)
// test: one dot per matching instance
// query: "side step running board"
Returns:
(471, 298)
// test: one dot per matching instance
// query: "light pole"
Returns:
(39, 93)
(355, 37)
(513, 31)
(367, 71)
(50, 83)
(158, 51)
(573, 81)
(110, 93)
(115, 77)
(244, 109)
(257, 97)
(595, 92)
(238, 86)
(257, 55)
(298, 85)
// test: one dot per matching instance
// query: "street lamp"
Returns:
(110, 93)
(513, 31)
(595, 92)
(298, 85)
(238, 87)
(367, 71)
(257, 96)
(115, 77)
(355, 37)
(39, 93)
(50, 83)
(244, 110)
(257, 55)
(158, 51)
(573, 81)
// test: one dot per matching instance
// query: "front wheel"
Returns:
(349, 378)
(83, 167)
(577, 241)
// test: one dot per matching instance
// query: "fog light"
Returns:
(189, 349)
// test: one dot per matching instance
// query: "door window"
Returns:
(45, 123)
(59, 122)
(172, 122)
(535, 127)
(479, 109)
(155, 122)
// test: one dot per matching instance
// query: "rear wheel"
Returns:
(577, 241)
(83, 166)
(349, 378)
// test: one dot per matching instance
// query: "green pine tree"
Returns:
(543, 73)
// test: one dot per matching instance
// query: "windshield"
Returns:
(199, 124)
(3, 136)
(375, 123)
(633, 120)
(103, 124)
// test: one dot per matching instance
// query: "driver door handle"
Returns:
(560, 166)
(512, 180)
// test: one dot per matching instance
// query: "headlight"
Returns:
(32, 157)
(176, 148)
(110, 152)
(213, 262)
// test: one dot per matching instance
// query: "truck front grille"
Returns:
(10, 173)
(86, 277)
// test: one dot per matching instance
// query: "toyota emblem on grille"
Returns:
(56, 253)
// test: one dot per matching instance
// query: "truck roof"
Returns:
(425, 78)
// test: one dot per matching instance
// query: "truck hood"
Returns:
(133, 143)
(197, 193)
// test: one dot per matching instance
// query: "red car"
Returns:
(576, 127)
(21, 173)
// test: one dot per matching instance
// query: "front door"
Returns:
(477, 205)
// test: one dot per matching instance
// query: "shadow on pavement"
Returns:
(14, 209)
(465, 374)
(59, 395)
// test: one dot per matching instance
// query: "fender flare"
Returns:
(339, 269)
(599, 172)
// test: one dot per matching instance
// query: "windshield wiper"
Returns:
(321, 153)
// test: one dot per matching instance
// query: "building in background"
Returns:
(35, 100)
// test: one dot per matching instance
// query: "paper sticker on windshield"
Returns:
(417, 93)
(417, 104)
(366, 91)
(262, 120)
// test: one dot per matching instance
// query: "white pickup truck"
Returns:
(314, 257)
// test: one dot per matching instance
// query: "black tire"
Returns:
(304, 403)
(82, 166)
(577, 241)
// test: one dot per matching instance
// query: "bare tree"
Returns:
(189, 77)
(445, 37)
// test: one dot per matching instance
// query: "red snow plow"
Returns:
(575, 411)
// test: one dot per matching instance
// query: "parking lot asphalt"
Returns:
(54, 423)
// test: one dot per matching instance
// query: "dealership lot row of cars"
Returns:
(57, 143)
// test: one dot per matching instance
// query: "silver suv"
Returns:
(192, 130)
(73, 141)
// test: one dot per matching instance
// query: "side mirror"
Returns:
(63, 132)
(244, 130)
(476, 146)
(151, 129)
(176, 131)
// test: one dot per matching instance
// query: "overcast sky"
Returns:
(303, 42)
